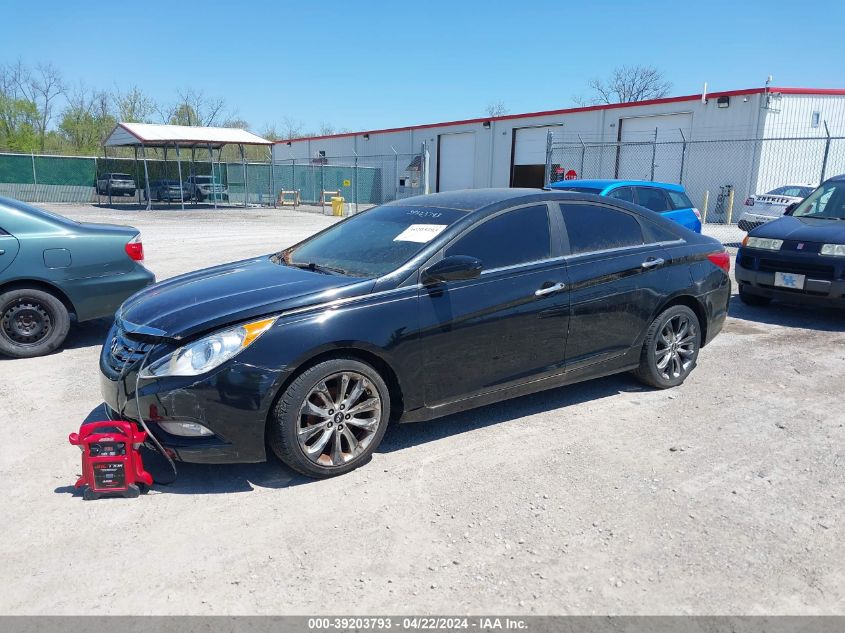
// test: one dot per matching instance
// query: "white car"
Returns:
(765, 207)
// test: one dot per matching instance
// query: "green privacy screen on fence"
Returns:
(71, 178)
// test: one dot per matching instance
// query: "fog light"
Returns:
(185, 429)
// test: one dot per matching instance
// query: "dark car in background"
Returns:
(114, 184)
(53, 269)
(168, 190)
(409, 311)
(799, 257)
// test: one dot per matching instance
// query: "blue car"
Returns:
(664, 198)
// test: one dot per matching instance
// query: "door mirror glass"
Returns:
(453, 268)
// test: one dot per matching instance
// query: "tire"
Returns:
(330, 440)
(751, 299)
(679, 354)
(32, 323)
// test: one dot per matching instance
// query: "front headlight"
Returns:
(837, 250)
(208, 352)
(765, 243)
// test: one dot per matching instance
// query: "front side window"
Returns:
(515, 237)
(652, 198)
(827, 202)
(596, 228)
(373, 243)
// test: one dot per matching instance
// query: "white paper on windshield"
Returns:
(421, 233)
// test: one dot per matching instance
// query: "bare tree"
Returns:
(628, 84)
(41, 87)
(496, 108)
(133, 106)
(326, 129)
(240, 124)
(291, 128)
(270, 132)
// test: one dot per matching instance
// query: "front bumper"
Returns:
(824, 279)
(233, 402)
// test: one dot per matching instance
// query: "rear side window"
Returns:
(596, 228)
(622, 193)
(652, 198)
(515, 237)
(679, 200)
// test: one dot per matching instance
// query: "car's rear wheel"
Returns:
(670, 349)
(751, 299)
(331, 418)
(32, 323)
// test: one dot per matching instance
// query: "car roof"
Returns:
(607, 183)
(470, 199)
(838, 178)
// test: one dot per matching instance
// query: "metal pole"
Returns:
(146, 178)
(705, 203)
(547, 175)
(272, 178)
(34, 177)
(683, 157)
(95, 180)
(426, 166)
(194, 173)
(213, 188)
(583, 152)
(653, 154)
(137, 188)
(243, 164)
(395, 173)
(355, 183)
(108, 181)
(179, 168)
(826, 151)
(164, 172)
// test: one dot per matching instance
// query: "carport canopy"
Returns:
(144, 135)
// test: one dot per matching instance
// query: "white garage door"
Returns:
(530, 144)
(456, 161)
(635, 158)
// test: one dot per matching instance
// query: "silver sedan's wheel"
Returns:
(339, 418)
(330, 418)
(670, 348)
(676, 346)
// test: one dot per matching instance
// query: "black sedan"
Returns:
(409, 311)
(799, 257)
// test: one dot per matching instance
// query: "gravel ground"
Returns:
(723, 496)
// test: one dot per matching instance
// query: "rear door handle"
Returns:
(549, 290)
(653, 263)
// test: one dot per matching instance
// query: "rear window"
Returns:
(679, 200)
(121, 177)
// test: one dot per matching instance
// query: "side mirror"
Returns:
(788, 210)
(454, 268)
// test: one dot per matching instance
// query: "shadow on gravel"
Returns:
(402, 436)
(809, 317)
(87, 333)
(216, 479)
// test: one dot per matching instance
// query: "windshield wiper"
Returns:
(319, 268)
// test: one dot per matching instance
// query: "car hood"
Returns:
(803, 229)
(208, 299)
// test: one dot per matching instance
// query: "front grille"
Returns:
(815, 271)
(124, 352)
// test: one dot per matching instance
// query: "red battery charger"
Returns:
(111, 463)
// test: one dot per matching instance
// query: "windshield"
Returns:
(204, 180)
(791, 191)
(373, 243)
(577, 189)
(826, 202)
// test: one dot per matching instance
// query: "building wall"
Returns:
(743, 118)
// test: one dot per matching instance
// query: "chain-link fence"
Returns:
(361, 181)
(718, 175)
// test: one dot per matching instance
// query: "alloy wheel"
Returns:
(339, 418)
(676, 347)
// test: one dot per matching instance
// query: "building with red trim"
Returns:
(510, 150)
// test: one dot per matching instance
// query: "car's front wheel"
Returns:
(670, 349)
(331, 418)
(32, 323)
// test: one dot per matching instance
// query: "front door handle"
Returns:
(549, 290)
(653, 263)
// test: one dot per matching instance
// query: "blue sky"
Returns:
(367, 65)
